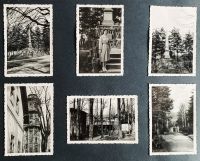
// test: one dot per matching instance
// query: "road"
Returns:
(177, 143)
(39, 65)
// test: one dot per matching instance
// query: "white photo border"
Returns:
(5, 118)
(136, 141)
(150, 45)
(150, 122)
(5, 6)
(78, 36)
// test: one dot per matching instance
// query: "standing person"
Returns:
(104, 49)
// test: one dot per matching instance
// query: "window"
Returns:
(19, 147)
(31, 118)
(12, 139)
(12, 91)
(17, 105)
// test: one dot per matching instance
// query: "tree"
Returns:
(91, 102)
(162, 104)
(44, 111)
(101, 116)
(110, 116)
(17, 38)
(23, 20)
(188, 43)
(78, 115)
(175, 42)
(190, 114)
(181, 120)
(46, 38)
(158, 46)
(36, 38)
(119, 118)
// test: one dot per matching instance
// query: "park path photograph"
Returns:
(28, 40)
(28, 119)
(99, 40)
(172, 119)
(172, 42)
(102, 120)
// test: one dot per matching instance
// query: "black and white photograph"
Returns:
(99, 40)
(172, 112)
(28, 111)
(172, 41)
(28, 40)
(102, 119)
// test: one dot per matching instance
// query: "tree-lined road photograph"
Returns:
(172, 118)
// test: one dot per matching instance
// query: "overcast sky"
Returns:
(183, 18)
(181, 95)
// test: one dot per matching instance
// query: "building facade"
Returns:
(32, 126)
(15, 113)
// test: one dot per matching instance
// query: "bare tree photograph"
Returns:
(102, 119)
(28, 119)
(172, 43)
(172, 119)
(28, 40)
(99, 40)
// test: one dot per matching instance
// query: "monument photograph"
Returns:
(172, 109)
(102, 120)
(172, 41)
(28, 40)
(99, 40)
(28, 119)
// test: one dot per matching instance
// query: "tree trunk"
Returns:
(128, 115)
(119, 118)
(91, 119)
(101, 118)
(73, 119)
(110, 118)
(44, 143)
(29, 39)
(97, 117)
(132, 114)
(78, 119)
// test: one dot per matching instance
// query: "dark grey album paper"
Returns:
(114, 80)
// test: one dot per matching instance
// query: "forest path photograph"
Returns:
(172, 118)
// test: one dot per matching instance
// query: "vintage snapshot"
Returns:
(172, 41)
(28, 110)
(172, 114)
(28, 40)
(102, 119)
(99, 40)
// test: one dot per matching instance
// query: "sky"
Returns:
(183, 18)
(181, 95)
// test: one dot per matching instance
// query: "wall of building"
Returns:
(14, 120)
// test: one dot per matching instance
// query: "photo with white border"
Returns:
(111, 119)
(99, 40)
(172, 119)
(28, 119)
(28, 40)
(172, 41)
